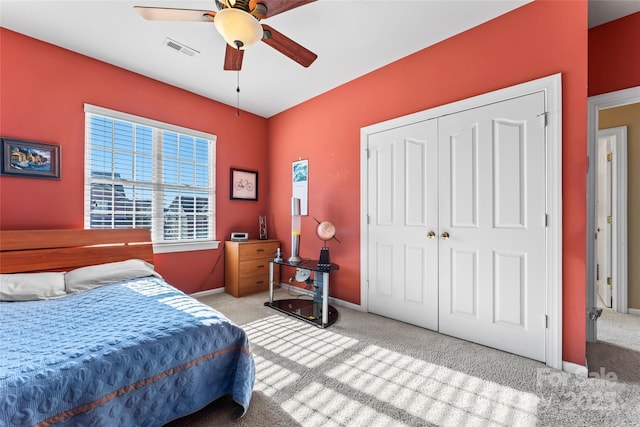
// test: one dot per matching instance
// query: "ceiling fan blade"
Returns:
(288, 47)
(233, 58)
(278, 6)
(170, 14)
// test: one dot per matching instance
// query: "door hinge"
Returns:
(368, 219)
(588, 163)
(546, 220)
(543, 119)
(609, 281)
(368, 153)
(609, 156)
(609, 219)
(546, 321)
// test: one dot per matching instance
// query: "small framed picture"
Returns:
(300, 180)
(244, 184)
(30, 159)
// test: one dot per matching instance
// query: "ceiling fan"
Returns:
(238, 23)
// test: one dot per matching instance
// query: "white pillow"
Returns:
(84, 278)
(31, 286)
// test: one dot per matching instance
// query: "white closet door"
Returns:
(402, 206)
(492, 205)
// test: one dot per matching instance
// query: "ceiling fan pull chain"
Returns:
(238, 95)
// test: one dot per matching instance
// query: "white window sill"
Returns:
(163, 248)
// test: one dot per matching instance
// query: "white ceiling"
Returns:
(350, 37)
(603, 11)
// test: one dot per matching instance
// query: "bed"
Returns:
(117, 345)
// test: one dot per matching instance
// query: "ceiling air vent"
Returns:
(180, 47)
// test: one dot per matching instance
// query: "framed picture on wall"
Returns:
(300, 182)
(244, 184)
(30, 159)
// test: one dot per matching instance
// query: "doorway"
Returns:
(388, 261)
(620, 266)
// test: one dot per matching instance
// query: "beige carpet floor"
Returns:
(616, 354)
(366, 370)
(620, 329)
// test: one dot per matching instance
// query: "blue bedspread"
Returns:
(134, 353)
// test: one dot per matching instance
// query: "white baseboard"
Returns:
(208, 292)
(291, 288)
(332, 300)
(347, 304)
(633, 311)
(573, 368)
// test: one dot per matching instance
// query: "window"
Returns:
(140, 173)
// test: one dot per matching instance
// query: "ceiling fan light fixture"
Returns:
(238, 28)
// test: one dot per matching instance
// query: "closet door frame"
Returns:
(552, 86)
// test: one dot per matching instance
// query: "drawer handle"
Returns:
(260, 282)
(260, 266)
(259, 250)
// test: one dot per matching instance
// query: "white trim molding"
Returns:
(619, 230)
(163, 248)
(208, 292)
(309, 293)
(552, 87)
(572, 368)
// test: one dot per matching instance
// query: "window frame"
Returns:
(158, 126)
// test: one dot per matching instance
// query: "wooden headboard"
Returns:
(23, 251)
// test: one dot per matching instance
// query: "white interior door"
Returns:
(402, 190)
(603, 220)
(492, 205)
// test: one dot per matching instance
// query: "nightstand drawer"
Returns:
(254, 267)
(260, 250)
(250, 285)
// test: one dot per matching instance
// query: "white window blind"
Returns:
(141, 173)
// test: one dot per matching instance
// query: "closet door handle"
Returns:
(431, 234)
(444, 235)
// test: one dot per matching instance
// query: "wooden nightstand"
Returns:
(246, 266)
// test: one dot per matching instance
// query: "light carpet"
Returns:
(620, 329)
(617, 350)
(367, 370)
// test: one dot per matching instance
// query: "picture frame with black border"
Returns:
(29, 159)
(243, 184)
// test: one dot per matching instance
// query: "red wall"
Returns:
(539, 39)
(536, 40)
(43, 90)
(614, 55)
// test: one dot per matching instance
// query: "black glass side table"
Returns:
(316, 311)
